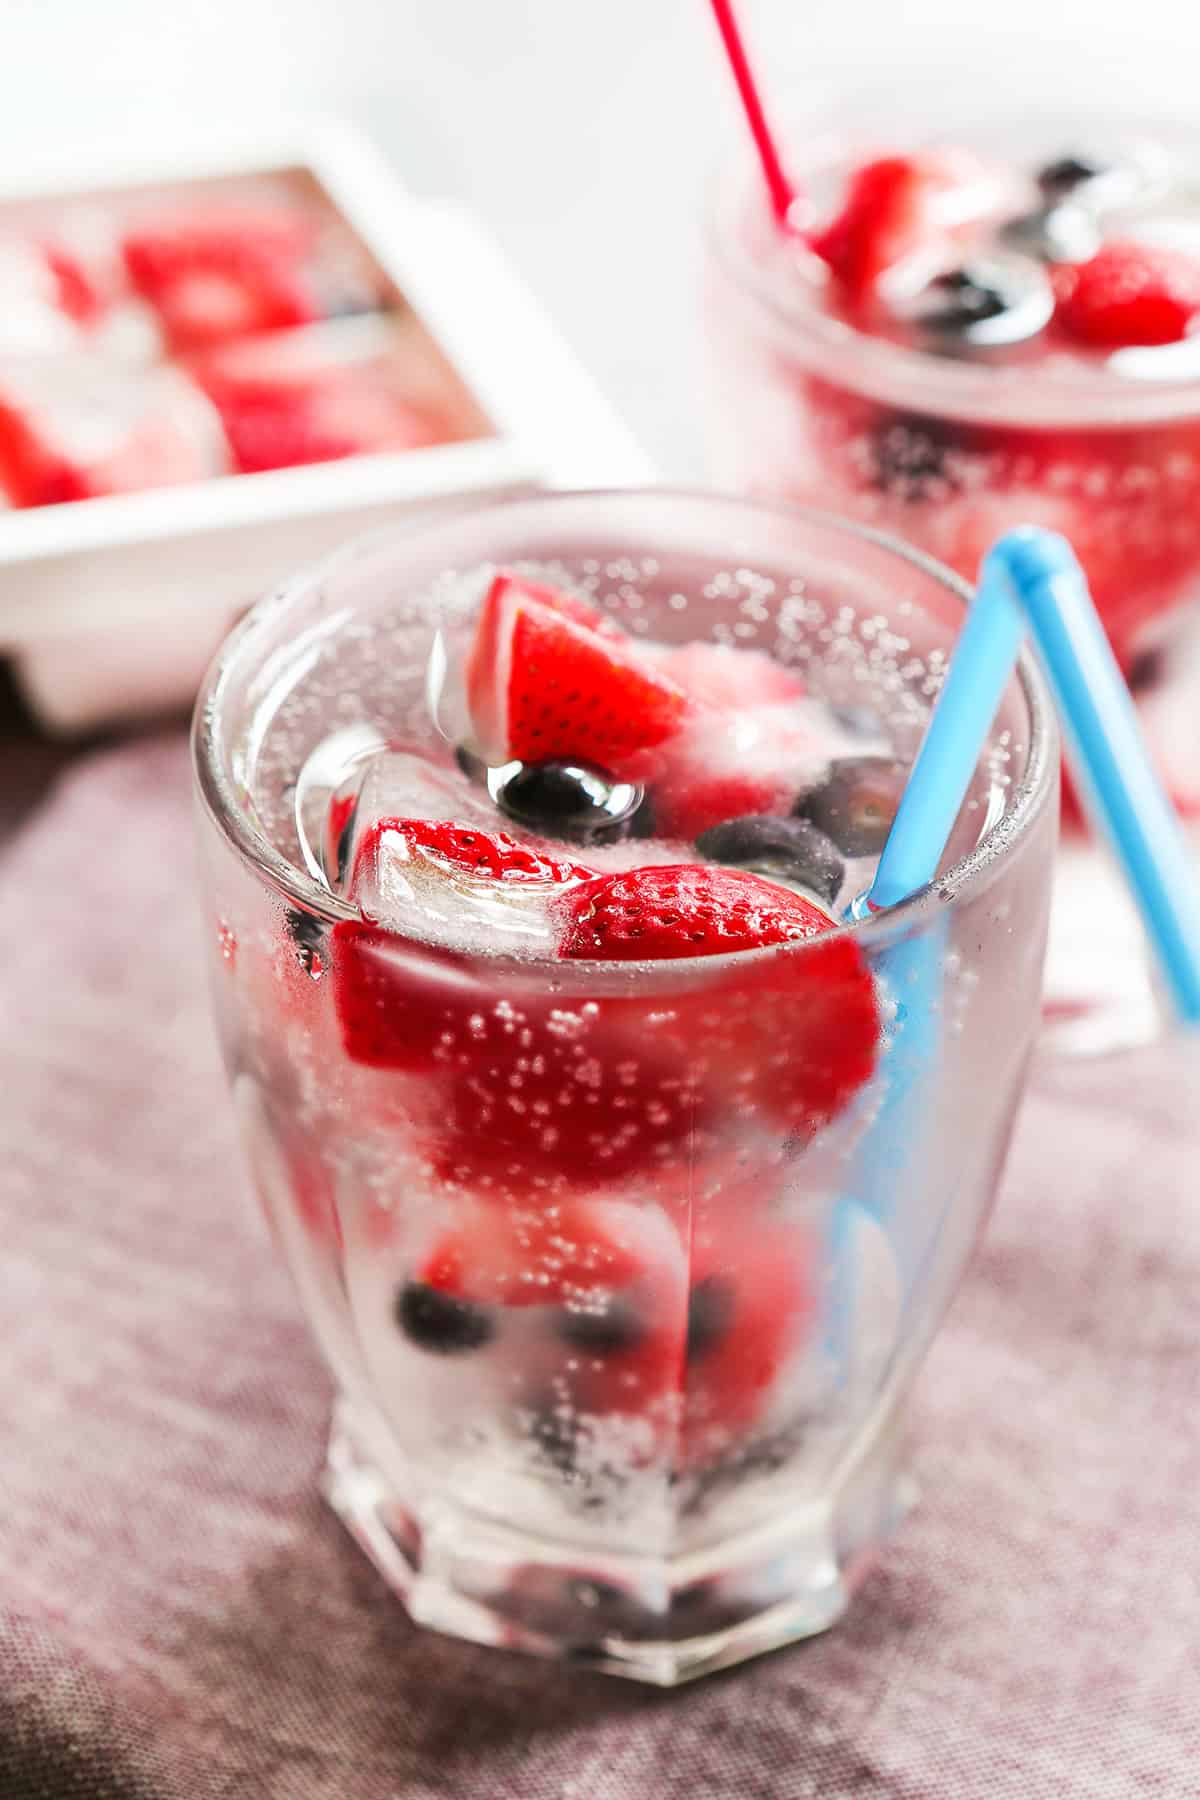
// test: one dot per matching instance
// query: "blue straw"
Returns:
(1034, 575)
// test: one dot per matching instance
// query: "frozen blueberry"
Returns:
(1147, 669)
(710, 1313)
(912, 457)
(856, 803)
(617, 1325)
(1067, 173)
(792, 849)
(571, 800)
(986, 304)
(440, 1323)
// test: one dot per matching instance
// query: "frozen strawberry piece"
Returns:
(751, 1304)
(894, 206)
(578, 1255)
(724, 765)
(677, 910)
(51, 297)
(224, 273)
(312, 1192)
(573, 1098)
(1128, 294)
(77, 292)
(542, 682)
(789, 1039)
(82, 429)
(289, 401)
(460, 849)
(408, 1007)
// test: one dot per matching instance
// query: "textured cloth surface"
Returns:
(180, 1617)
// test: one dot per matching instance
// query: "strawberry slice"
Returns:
(76, 292)
(684, 909)
(224, 273)
(567, 1098)
(543, 682)
(790, 1039)
(893, 206)
(457, 849)
(1128, 294)
(292, 399)
(750, 1308)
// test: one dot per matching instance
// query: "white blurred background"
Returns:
(582, 131)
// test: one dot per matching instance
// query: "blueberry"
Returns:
(912, 458)
(1147, 669)
(571, 800)
(1067, 173)
(792, 849)
(856, 803)
(438, 1322)
(617, 1325)
(990, 303)
(710, 1314)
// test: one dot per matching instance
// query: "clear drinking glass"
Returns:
(700, 1463)
(949, 450)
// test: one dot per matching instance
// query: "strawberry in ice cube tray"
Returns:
(52, 297)
(309, 397)
(224, 271)
(82, 427)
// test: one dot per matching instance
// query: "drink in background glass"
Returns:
(998, 332)
(623, 1186)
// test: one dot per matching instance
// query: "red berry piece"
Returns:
(544, 683)
(76, 292)
(1129, 294)
(287, 400)
(223, 273)
(400, 1006)
(892, 207)
(790, 1039)
(451, 849)
(750, 1309)
(681, 910)
(569, 1099)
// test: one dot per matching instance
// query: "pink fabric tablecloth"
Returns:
(180, 1617)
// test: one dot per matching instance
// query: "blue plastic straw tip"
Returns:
(1030, 554)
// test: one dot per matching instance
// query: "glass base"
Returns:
(657, 1619)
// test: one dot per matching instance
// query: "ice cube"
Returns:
(375, 864)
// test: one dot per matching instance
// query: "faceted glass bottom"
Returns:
(657, 1619)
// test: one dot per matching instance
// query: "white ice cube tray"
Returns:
(111, 606)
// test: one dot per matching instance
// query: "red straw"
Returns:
(782, 193)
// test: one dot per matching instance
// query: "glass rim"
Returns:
(971, 874)
(903, 375)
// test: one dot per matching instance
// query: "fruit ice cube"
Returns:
(416, 847)
(50, 297)
(224, 270)
(315, 396)
(79, 427)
